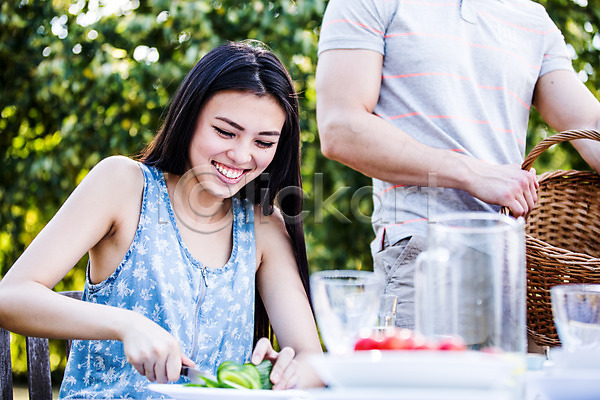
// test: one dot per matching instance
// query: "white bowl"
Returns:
(420, 368)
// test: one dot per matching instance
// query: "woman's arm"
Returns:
(27, 304)
(287, 305)
(97, 217)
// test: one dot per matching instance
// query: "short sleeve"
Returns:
(355, 24)
(556, 54)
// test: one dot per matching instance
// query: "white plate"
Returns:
(181, 392)
(588, 359)
(409, 394)
(419, 368)
(574, 384)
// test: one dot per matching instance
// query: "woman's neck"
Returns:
(196, 207)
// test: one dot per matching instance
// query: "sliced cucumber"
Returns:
(233, 375)
(264, 370)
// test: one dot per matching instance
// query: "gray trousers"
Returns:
(397, 263)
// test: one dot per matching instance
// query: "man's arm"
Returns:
(565, 103)
(348, 83)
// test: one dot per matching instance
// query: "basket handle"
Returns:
(558, 138)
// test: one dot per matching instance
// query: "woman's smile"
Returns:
(230, 174)
(236, 138)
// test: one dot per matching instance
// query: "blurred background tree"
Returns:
(85, 79)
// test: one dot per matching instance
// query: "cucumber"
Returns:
(209, 383)
(242, 376)
(264, 370)
(232, 375)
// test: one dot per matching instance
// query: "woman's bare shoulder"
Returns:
(274, 220)
(114, 180)
(269, 229)
(119, 168)
(118, 173)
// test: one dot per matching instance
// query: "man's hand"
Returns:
(505, 185)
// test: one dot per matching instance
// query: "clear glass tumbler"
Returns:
(576, 311)
(345, 302)
(387, 311)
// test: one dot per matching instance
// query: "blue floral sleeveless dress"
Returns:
(210, 311)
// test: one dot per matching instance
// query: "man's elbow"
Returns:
(327, 147)
(331, 133)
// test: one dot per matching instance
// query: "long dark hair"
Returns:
(250, 67)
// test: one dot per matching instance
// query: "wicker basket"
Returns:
(562, 236)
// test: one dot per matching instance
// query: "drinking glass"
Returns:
(576, 310)
(345, 302)
(471, 281)
(387, 311)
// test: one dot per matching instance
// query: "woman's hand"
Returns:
(153, 351)
(284, 374)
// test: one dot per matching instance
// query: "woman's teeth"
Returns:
(228, 172)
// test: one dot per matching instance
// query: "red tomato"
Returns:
(403, 339)
(492, 350)
(397, 343)
(422, 343)
(452, 344)
(406, 339)
(426, 345)
(366, 344)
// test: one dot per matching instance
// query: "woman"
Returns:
(178, 240)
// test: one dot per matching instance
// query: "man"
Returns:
(431, 98)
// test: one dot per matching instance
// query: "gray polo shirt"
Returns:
(457, 75)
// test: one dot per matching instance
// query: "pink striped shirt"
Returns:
(457, 75)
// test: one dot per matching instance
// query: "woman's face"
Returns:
(235, 140)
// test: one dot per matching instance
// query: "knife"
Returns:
(198, 377)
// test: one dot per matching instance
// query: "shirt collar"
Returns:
(468, 11)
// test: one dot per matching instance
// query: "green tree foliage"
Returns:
(579, 21)
(82, 80)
